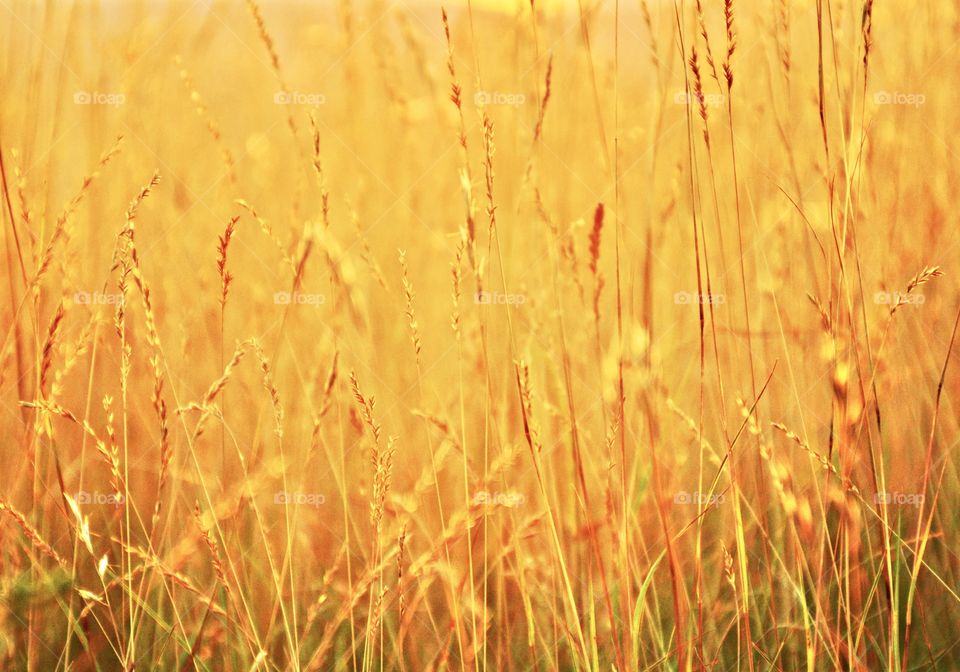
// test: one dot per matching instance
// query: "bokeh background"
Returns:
(503, 335)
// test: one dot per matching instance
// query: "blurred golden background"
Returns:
(503, 335)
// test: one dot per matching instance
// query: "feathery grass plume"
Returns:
(46, 358)
(866, 30)
(455, 294)
(223, 246)
(124, 266)
(783, 36)
(377, 616)
(538, 129)
(153, 340)
(409, 311)
(206, 406)
(125, 263)
(270, 386)
(110, 449)
(466, 179)
(923, 277)
(150, 560)
(595, 238)
(30, 532)
(824, 462)
(530, 431)
(728, 567)
(731, 42)
(381, 458)
(318, 169)
(598, 280)
(41, 426)
(365, 404)
(330, 381)
(72, 355)
(212, 546)
(382, 461)
(401, 546)
(125, 257)
(226, 278)
(698, 93)
(55, 409)
(701, 22)
(304, 248)
(488, 151)
(825, 321)
(59, 229)
(268, 231)
(455, 89)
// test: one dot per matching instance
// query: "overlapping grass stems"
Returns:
(545, 336)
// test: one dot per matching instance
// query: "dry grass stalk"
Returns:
(213, 547)
(30, 532)
(226, 278)
(409, 311)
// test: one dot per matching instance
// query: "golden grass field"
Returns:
(376, 335)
